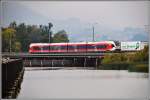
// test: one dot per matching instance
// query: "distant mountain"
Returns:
(76, 29)
(82, 31)
(21, 14)
(140, 37)
(137, 34)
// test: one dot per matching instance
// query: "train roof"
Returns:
(101, 42)
(78, 43)
(57, 43)
(41, 44)
(38, 44)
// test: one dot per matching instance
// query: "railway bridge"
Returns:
(59, 59)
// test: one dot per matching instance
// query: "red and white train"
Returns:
(73, 47)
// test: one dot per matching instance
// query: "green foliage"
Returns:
(138, 67)
(140, 56)
(8, 33)
(60, 36)
(8, 38)
(22, 35)
(17, 47)
(114, 58)
(115, 66)
(132, 61)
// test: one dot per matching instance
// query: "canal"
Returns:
(81, 83)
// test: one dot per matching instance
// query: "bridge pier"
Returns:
(96, 63)
(84, 62)
(63, 62)
(41, 63)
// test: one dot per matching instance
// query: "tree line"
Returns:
(17, 37)
(139, 56)
(136, 62)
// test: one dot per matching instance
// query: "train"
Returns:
(133, 45)
(77, 47)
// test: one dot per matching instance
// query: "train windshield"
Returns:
(117, 43)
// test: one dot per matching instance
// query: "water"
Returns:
(84, 84)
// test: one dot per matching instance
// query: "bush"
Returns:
(143, 67)
(114, 58)
(131, 67)
(115, 66)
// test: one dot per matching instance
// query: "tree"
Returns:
(142, 55)
(114, 58)
(8, 37)
(60, 36)
(17, 47)
(22, 36)
(13, 25)
(17, 38)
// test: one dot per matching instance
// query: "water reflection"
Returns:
(84, 84)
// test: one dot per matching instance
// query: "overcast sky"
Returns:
(77, 17)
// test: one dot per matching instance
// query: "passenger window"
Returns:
(90, 47)
(70, 47)
(63, 47)
(45, 48)
(101, 46)
(81, 47)
(55, 47)
(36, 48)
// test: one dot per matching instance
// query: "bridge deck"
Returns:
(59, 55)
(28, 55)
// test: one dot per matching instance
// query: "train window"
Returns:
(81, 47)
(63, 47)
(45, 47)
(101, 46)
(70, 47)
(36, 48)
(55, 47)
(90, 47)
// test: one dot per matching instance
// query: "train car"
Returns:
(133, 45)
(58, 47)
(101, 46)
(39, 48)
(77, 47)
(143, 44)
(130, 46)
(72, 47)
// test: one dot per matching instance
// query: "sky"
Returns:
(112, 20)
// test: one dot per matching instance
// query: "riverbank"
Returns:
(12, 77)
(131, 67)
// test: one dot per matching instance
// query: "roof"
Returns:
(41, 44)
